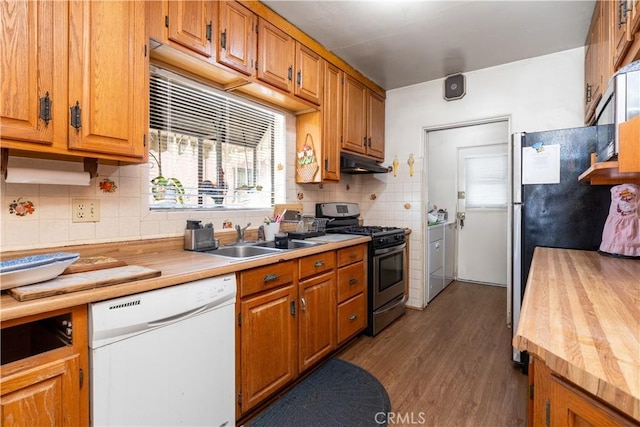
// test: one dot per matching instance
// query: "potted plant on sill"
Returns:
(166, 189)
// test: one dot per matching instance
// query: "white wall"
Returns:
(536, 94)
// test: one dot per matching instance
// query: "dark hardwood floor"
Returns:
(450, 364)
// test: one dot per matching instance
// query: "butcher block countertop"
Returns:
(581, 316)
(166, 255)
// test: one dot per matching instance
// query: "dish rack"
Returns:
(307, 226)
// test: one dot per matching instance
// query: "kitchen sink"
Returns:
(250, 249)
(291, 244)
(245, 251)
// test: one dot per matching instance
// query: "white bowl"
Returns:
(35, 274)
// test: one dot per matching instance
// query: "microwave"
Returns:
(620, 102)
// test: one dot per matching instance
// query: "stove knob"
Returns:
(383, 240)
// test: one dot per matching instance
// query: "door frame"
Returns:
(425, 192)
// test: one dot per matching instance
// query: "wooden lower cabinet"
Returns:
(44, 376)
(289, 319)
(317, 331)
(556, 402)
(268, 345)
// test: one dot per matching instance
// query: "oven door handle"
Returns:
(402, 301)
(392, 249)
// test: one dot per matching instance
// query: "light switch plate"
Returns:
(85, 210)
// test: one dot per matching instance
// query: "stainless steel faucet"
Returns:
(240, 231)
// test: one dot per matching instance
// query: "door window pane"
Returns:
(486, 181)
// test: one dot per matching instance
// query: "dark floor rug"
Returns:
(337, 394)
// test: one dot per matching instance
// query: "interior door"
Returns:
(482, 214)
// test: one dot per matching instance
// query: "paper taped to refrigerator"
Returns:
(542, 165)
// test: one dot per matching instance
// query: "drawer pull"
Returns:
(353, 255)
(353, 317)
(353, 281)
(270, 278)
(319, 264)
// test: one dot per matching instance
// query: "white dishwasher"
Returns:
(165, 357)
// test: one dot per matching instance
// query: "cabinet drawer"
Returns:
(435, 233)
(436, 255)
(267, 277)
(351, 281)
(352, 254)
(316, 264)
(352, 317)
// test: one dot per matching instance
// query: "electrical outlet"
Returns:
(85, 210)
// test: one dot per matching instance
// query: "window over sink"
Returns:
(211, 150)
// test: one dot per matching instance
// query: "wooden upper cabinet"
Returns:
(190, 24)
(592, 64)
(276, 50)
(375, 125)
(309, 74)
(288, 64)
(363, 120)
(108, 95)
(623, 34)
(332, 122)
(30, 59)
(237, 32)
(354, 121)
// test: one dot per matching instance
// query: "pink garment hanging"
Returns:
(621, 233)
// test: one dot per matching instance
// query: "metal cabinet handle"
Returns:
(353, 255)
(303, 304)
(270, 277)
(353, 281)
(209, 29)
(223, 39)
(318, 264)
(353, 317)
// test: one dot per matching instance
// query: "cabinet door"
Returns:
(622, 36)
(237, 45)
(317, 329)
(332, 121)
(375, 125)
(268, 342)
(275, 56)
(48, 395)
(572, 407)
(354, 118)
(592, 75)
(309, 68)
(190, 24)
(29, 59)
(108, 89)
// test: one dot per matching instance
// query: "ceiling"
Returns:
(400, 43)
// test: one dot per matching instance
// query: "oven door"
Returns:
(388, 274)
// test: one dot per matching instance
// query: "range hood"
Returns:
(354, 164)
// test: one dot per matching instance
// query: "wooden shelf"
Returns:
(607, 173)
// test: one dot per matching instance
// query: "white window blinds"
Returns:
(208, 149)
(486, 181)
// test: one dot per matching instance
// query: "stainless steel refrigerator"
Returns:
(569, 214)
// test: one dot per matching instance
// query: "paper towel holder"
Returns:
(90, 164)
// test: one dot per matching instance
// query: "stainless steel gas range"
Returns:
(386, 266)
